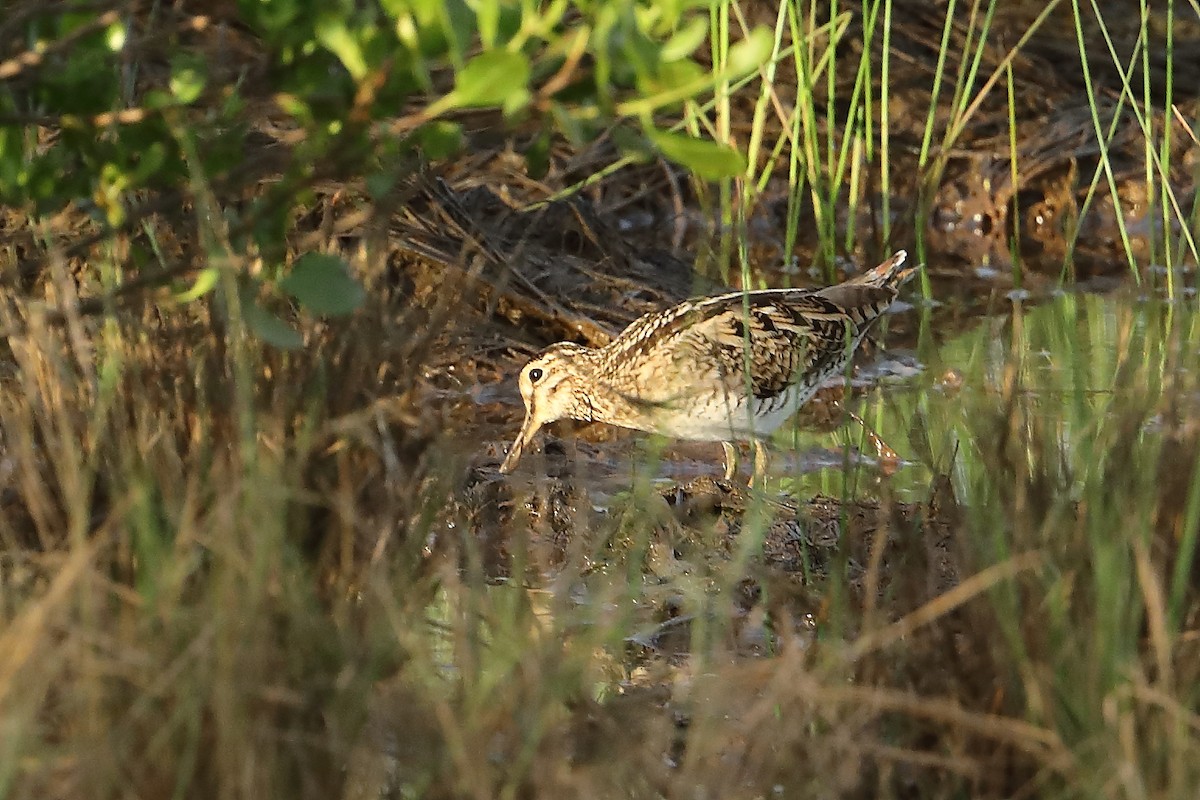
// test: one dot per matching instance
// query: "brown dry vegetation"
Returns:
(228, 570)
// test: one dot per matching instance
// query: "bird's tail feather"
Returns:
(888, 274)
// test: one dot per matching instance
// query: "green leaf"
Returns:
(640, 53)
(679, 75)
(537, 156)
(487, 16)
(150, 160)
(205, 282)
(632, 142)
(295, 106)
(439, 139)
(188, 76)
(338, 39)
(270, 328)
(276, 17)
(379, 184)
(322, 284)
(515, 102)
(12, 160)
(395, 8)
(491, 78)
(569, 124)
(686, 40)
(705, 158)
(115, 36)
(750, 53)
(157, 98)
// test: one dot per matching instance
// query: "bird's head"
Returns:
(554, 386)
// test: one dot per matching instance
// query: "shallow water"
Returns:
(1067, 354)
(1070, 363)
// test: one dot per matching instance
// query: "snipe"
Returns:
(721, 369)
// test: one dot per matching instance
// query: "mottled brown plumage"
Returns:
(724, 368)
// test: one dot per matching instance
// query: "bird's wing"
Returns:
(768, 338)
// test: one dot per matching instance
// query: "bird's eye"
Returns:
(535, 375)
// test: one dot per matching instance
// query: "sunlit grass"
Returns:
(1072, 356)
(215, 584)
(1055, 446)
(1156, 168)
(207, 653)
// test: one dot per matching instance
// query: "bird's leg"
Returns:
(731, 459)
(761, 462)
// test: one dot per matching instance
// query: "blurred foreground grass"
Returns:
(262, 601)
(231, 570)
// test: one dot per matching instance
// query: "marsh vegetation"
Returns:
(269, 270)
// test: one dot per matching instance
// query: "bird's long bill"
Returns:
(528, 430)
